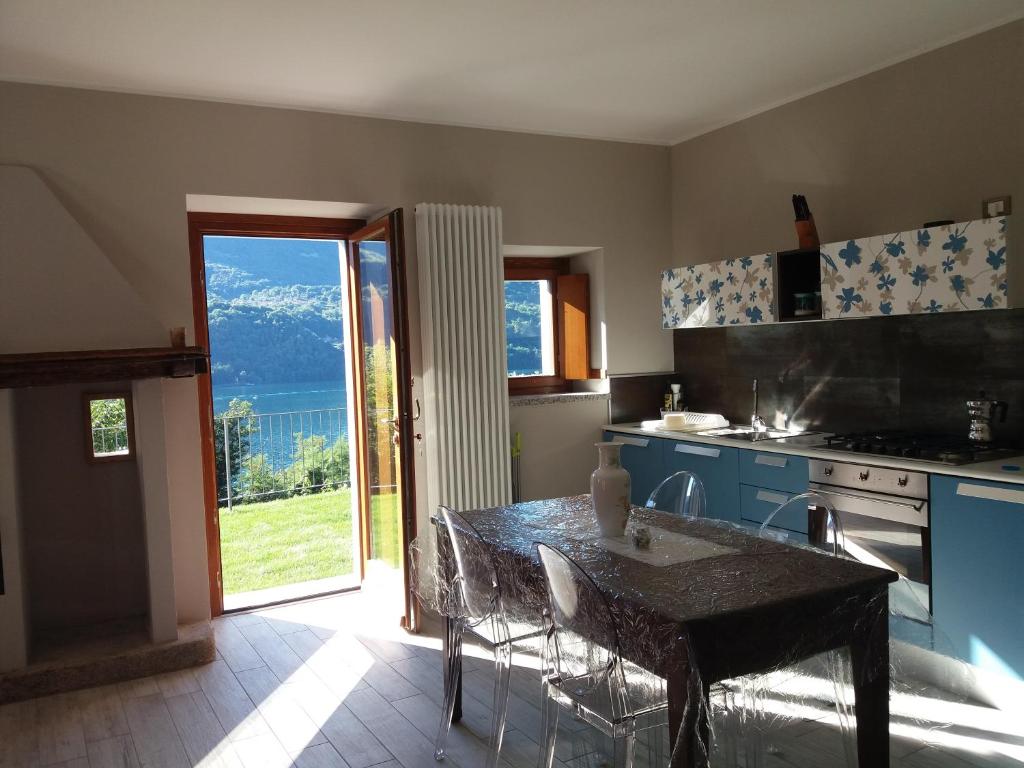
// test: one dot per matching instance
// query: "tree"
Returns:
(240, 428)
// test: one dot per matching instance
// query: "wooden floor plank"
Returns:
(19, 734)
(142, 686)
(401, 738)
(343, 730)
(462, 744)
(102, 713)
(279, 704)
(59, 727)
(274, 651)
(236, 712)
(177, 683)
(201, 733)
(341, 672)
(263, 751)
(115, 752)
(320, 756)
(233, 646)
(156, 739)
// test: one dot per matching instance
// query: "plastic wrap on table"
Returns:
(659, 613)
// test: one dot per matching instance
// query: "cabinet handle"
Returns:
(771, 461)
(698, 450)
(639, 442)
(992, 494)
(773, 498)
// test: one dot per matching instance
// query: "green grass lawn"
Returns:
(271, 543)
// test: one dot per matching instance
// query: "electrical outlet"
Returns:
(995, 206)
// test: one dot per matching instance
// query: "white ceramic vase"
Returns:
(609, 489)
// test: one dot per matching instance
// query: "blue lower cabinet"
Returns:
(756, 504)
(718, 469)
(977, 534)
(642, 458)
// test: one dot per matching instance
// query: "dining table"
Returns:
(705, 601)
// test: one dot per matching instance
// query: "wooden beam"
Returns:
(47, 368)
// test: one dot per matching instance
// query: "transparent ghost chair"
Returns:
(583, 670)
(478, 610)
(680, 494)
(743, 703)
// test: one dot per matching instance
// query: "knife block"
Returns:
(807, 233)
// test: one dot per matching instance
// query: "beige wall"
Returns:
(123, 164)
(558, 446)
(926, 139)
(82, 521)
(13, 611)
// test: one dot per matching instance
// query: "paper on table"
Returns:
(667, 547)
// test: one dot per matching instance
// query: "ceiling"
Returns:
(656, 71)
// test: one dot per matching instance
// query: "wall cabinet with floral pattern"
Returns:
(941, 269)
(731, 292)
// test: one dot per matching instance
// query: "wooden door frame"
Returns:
(392, 228)
(238, 225)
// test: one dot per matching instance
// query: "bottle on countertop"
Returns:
(677, 397)
(666, 404)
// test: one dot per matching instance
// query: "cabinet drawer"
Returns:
(642, 458)
(717, 468)
(756, 504)
(773, 470)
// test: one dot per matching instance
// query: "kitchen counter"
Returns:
(802, 445)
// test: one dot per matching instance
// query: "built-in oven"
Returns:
(883, 515)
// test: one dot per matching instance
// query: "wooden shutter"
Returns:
(573, 328)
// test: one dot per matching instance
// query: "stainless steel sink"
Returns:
(746, 433)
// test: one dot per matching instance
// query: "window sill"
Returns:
(516, 401)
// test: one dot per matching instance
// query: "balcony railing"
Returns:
(266, 455)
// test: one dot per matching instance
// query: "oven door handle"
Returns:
(885, 500)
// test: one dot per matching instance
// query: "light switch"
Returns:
(995, 206)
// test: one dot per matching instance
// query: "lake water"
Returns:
(282, 398)
(318, 408)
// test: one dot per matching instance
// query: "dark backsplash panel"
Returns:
(636, 398)
(906, 372)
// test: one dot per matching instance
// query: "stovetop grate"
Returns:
(945, 449)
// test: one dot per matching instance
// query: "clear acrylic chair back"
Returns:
(477, 593)
(831, 537)
(680, 494)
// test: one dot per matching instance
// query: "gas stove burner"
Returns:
(945, 449)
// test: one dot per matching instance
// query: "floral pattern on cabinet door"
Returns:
(730, 292)
(941, 269)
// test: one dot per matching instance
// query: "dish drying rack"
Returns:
(693, 422)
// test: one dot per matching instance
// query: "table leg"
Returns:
(452, 653)
(870, 656)
(688, 713)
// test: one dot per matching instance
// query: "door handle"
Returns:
(639, 442)
(989, 493)
(698, 450)
(772, 498)
(770, 461)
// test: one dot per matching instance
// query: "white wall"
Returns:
(123, 165)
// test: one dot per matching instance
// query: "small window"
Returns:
(545, 325)
(530, 327)
(109, 426)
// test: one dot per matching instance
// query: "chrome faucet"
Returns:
(756, 422)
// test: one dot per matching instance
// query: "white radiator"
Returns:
(465, 369)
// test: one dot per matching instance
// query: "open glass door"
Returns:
(382, 410)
